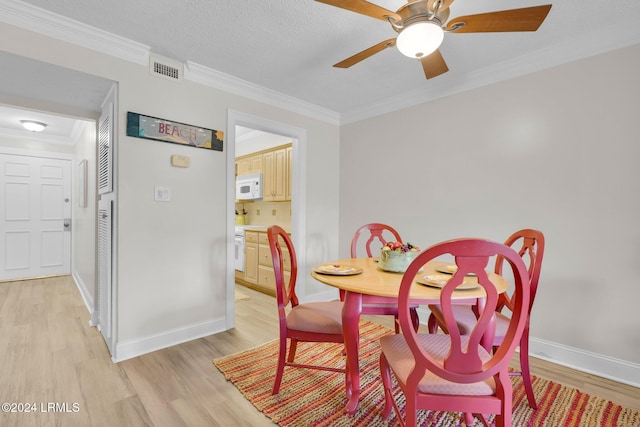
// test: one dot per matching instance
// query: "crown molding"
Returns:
(17, 13)
(595, 43)
(209, 77)
(59, 27)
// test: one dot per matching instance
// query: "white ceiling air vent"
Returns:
(165, 67)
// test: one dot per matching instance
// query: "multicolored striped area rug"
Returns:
(316, 398)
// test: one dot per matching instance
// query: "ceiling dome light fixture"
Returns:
(33, 126)
(420, 39)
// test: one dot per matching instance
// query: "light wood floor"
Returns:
(51, 358)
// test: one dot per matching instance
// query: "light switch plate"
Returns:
(180, 161)
(162, 194)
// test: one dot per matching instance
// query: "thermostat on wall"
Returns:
(180, 161)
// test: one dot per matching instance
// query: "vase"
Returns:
(396, 262)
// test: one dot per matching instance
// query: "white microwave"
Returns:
(249, 187)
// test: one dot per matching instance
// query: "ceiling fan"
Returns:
(421, 25)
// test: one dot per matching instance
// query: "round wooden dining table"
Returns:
(363, 282)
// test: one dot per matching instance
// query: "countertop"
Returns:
(263, 228)
(253, 227)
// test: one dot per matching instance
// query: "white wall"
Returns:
(556, 150)
(171, 257)
(26, 144)
(83, 252)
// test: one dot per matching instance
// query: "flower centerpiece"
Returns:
(396, 256)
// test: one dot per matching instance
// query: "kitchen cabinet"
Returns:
(249, 164)
(266, 275)
(251, 257)
(258, 272)
(288, 174)
(274, 179)
(275, 166)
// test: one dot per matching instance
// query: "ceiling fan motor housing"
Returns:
(420, 30)
(419, 11)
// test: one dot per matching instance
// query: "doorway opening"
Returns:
(238, 126)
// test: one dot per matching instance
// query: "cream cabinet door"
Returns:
(251, 257)
(274, 183)
(247, 165)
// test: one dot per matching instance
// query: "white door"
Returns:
(35, 216)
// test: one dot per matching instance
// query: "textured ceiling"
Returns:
(289, 46)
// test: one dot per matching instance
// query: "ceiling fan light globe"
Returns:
(420, 39)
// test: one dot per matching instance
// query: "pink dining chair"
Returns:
(310, 322)
(530, 246)
(377, 235)
(454, 372)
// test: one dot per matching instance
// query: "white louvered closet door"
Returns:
(105, 150)
(105, 225)
(104, 272)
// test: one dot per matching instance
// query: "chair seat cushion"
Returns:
(402, 362)
(321, 317)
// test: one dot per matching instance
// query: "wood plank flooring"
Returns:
(55, 365)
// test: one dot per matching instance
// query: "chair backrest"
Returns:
(285, 290)
(530, 246)
(463, 363)
(376, 231)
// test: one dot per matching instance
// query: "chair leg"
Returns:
(396, 323)
(292, 350)
(385, 374)
(347, 378)
(504, 390)
(280, 369)
(432, 325)
(524, 368)
(415, 319)
(411, 411)
(469, 419)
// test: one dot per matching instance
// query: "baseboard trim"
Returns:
(593, 363)
(137, 347)
(611, 368)
(86, 297)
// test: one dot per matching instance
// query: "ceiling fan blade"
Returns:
(363, 7)
(352, 60)
(434, 65)
(525, 19)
